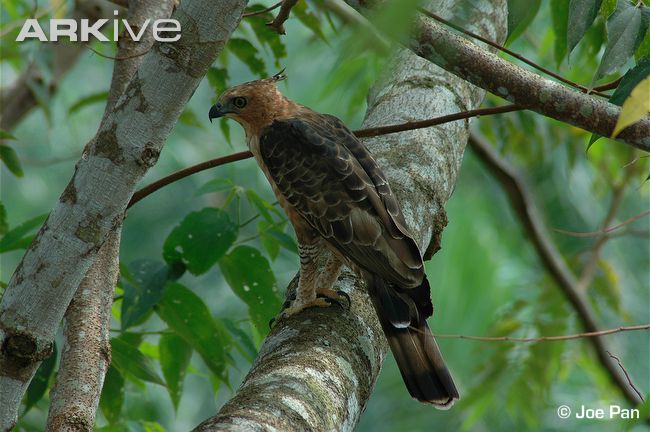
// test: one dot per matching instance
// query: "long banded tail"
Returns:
(415, 349)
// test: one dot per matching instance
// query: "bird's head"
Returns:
(253, 104)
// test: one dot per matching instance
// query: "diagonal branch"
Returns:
(459, 56)
(361, 133)
(277, 24)
(87, 351)
(512, 53)
(524, 205)
(127, 144)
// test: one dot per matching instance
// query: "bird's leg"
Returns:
(326, 280)
(308, 292)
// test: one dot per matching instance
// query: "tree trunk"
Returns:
(127, 144)
(316, 370)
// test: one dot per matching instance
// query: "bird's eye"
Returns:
(239, 102)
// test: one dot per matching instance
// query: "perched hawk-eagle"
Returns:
(340, 203)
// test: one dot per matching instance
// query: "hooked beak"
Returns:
(217, 110)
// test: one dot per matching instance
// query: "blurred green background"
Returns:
(486, 280)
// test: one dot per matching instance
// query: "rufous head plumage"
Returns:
(254, 104)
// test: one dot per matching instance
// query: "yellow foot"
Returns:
(325, 298)
(340, 298)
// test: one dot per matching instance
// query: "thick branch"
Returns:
(127, 144)
(316, 370)
(86, 353)
(525, 208)
(432, 41)
(521, 86)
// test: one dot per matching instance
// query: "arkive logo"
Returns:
(164, 30)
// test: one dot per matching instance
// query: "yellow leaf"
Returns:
(635, 106)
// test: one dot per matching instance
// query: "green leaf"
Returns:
(88, 100)
(243, 341)
(10, 158)
(264, 34)
(271, 234)
(131, 362)
(175, 356)
(6, 135)
(151, 426)
(14, 237)
(215, 185)
(186, 314)
(582, 14)
(144, 291)
(594, 137)
(218, 79)
(189, 118)
(4, 225)
(268, 242)
(560, 19)
(201, 239)
(608, 7)
(630, 80)
(247, 53)
(606, 285)
(635, 107)
(625, 31)
(263, 206)
(40, 382)
(308, 19)
(224, 126)
(520, 15)
(112, 397)
(249, 275)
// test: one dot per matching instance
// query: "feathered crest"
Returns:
(279, 76)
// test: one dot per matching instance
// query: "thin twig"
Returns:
(627, 375)
(153, 187)
(544, 338)
(420, 124)
(589, 270)
(278, 23)
(263, 11)
(525, 208)
(512, 53)
(603, 231)
(610, 85)
(370, 132)
(117, 57)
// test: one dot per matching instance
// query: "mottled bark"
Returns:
(86, 352)
(470, 61)
(316, 370)
(127, 144)
(515, 84)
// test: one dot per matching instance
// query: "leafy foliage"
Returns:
(186, 314)
(200, 240)
(229, 247)
(626, 29)
(249, 275)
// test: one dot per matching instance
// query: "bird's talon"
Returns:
(347, 297)
(340, 298)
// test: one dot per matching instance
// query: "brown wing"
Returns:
(333, 182)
